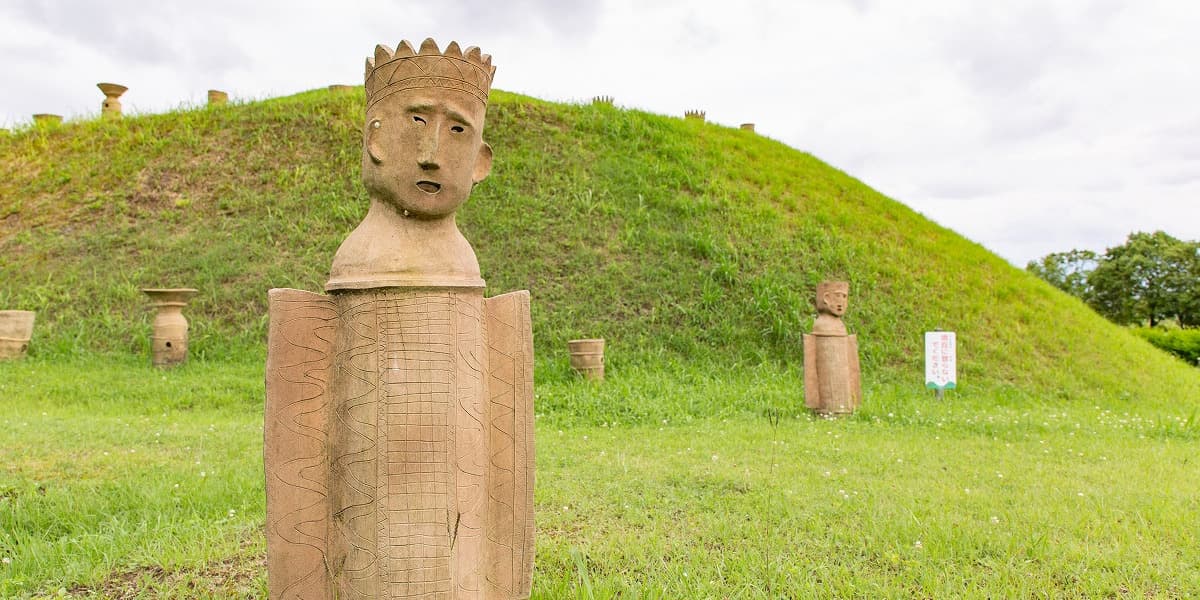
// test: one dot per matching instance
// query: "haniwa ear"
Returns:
(483, 163)
(372, 141)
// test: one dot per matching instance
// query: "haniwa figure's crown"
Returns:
(391, 71)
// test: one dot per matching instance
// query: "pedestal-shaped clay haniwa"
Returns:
(399, 416)
(217, 97)
(832, 382)
(747, 126)
(587, 357)
(111, 107)
(169, 340)
(16, 330)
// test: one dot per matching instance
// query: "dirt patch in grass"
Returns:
(240, 576)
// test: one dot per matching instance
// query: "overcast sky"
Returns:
(1028, 126)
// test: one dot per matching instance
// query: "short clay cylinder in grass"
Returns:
(111, 107)
(699, 115)
(217, 97)
(339, 88)
(46, 120)
(748, 126)
(587, 357)
(169, 340)
(16, 329)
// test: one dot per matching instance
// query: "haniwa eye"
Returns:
(417, 119)
(457, 129)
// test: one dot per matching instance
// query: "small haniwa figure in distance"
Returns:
(832, 382)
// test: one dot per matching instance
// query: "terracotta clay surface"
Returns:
(587, 357)
(747, 126)
(169, 341)
(217, 97)
(16, 330)
(694, 114)
(399, 418)
(341, 88)
(832, 382)
(111, 107)
(423, 151)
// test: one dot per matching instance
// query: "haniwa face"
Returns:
(425, 151)
(835, 302)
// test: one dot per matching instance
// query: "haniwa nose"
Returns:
(427, 149)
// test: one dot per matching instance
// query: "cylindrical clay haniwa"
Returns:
(169, 341)
(16, 330)
(587, 357)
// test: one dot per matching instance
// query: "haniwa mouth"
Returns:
(429, 187)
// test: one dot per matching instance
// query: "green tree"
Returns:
(1067, 271)
(1150, 278)
(1187, 298)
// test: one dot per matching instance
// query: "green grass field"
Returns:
(1066, 465)
(121, 480)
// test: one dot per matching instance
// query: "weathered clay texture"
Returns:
(217, 97)
(16, 331)
(587, 357)
(111, 107)
(399, 416)
(832, 383)
(169, 341)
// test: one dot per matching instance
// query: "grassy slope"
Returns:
(693, 249)
(668, 237)
(662, 235)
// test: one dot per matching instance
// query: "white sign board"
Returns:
(941, 363)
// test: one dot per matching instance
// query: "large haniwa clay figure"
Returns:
(399, 418)
(832, 383)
